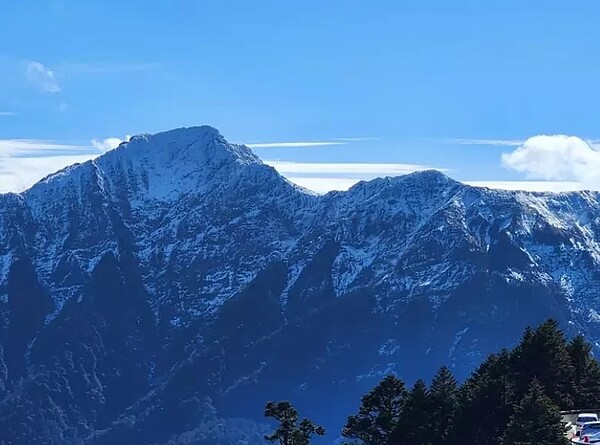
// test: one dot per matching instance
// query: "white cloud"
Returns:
(324, 177)
(42, 77)
(109, 143)
(23, 162)
(18, 174)
(494, 142)
(556, 163)
(7, 113)
(39, 148)
(294, 144)
(556, 158)
(285, 167)
(324, 184)
(357, 139)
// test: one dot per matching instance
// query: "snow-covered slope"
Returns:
(179, 266)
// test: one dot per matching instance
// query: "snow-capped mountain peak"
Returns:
(161, 166)
(194, 143)
(179, 266)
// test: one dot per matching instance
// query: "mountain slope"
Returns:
(178, 273)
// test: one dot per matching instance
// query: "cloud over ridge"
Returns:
(556, 158)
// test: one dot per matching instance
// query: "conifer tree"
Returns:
(413, 424)
(542, 354)
(289, 432)
(443, 401)
(585, 381)
(536, 421)
(484, 404)
(378, 413)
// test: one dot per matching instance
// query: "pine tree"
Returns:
(413, 423)
(536, 421)
(289, 432)
(542, 354)
(378, 413)
(443, 400)
(585, 381)
(484, 404)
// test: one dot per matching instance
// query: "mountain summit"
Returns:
(163, 165)
(178, 275)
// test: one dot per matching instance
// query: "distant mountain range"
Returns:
(177, 281)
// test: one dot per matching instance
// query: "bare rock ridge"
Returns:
(177, 279)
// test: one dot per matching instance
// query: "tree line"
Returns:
(513, 398)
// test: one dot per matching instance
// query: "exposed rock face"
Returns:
(178, 273)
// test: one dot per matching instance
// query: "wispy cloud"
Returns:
(18, 174)
(381, 169)
(42, 77)
(561, 160)
(299, 144)
(47, 80)
(324, 184)
(294, 144)
(7, 113)
(41, 148)
(325, 177)
(502, 142)
(23, 162)
(495, 142)
(357, 139)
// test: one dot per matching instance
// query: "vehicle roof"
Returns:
(587, 415)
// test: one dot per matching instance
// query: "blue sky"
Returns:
(403, 85)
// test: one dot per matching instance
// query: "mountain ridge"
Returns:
(178, 272)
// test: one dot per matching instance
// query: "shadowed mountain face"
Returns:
(177, 281)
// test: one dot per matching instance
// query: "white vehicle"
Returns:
(590, 433)
(584, 418)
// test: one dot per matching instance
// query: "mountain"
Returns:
(176, 283)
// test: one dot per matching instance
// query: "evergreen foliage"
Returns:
(378, 413)
(542, 354)
(289, 432)
(443, 395)
(485, 403)
(585, 380)
(535, 421)
(413, 423)
(513, 398)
